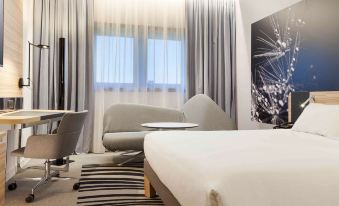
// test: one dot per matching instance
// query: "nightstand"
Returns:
(287, 125)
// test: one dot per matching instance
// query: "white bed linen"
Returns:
(246, 168)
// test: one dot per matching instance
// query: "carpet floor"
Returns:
(58, 192)
(108, 184)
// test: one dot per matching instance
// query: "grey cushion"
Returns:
(124, 141)
(122, 124)
(202, 110)
(129, 117)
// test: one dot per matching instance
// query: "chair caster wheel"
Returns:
(29, 198)
(12, 186)
(76, 186)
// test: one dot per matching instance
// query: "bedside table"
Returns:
(287, 125)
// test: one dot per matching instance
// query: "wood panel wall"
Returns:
(13, 49)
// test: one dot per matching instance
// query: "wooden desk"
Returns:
(30, 116)
(18, 120)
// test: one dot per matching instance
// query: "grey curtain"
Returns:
(72, 20)
(211, 51)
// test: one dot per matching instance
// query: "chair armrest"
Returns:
(42, 147)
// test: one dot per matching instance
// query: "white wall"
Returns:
(27, 36)
(27, 92)
(248, 12)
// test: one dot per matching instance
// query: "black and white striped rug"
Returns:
(107, 184)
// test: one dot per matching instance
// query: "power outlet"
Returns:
(10, 104)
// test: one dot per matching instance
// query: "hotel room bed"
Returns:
(243, 168)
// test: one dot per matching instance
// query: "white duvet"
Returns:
(246, 168)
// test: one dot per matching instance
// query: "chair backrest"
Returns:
(69, 131)
(202, 110)
(129, 117)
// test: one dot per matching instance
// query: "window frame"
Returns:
(140, 65)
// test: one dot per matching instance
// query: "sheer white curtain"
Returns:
(139, 55)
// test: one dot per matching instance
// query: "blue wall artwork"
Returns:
(295, 49)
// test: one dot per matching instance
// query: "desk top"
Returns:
(30, 116)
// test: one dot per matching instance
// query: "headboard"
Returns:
(325, 97)
(330, 97)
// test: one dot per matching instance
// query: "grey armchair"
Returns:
(123, 130)
(203, 111)
(53, 146)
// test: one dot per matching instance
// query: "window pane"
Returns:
(164, 61)
(114, 59)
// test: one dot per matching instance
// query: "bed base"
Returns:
(153, 186)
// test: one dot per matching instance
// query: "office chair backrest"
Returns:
(69, 131)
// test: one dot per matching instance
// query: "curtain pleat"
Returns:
(155, 52)
(211, 51)
(72, 20)
(139, 55)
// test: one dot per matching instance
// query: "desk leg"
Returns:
(11, 133)
(19, 146)
(19, 129)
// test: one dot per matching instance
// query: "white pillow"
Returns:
(319, 119)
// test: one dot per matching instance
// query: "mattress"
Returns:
(246, 168)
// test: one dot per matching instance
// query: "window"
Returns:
(164, 62)
(115, 66)
(137, 62)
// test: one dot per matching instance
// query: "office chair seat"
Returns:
(18, 152)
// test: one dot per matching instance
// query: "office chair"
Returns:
(53, 146)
